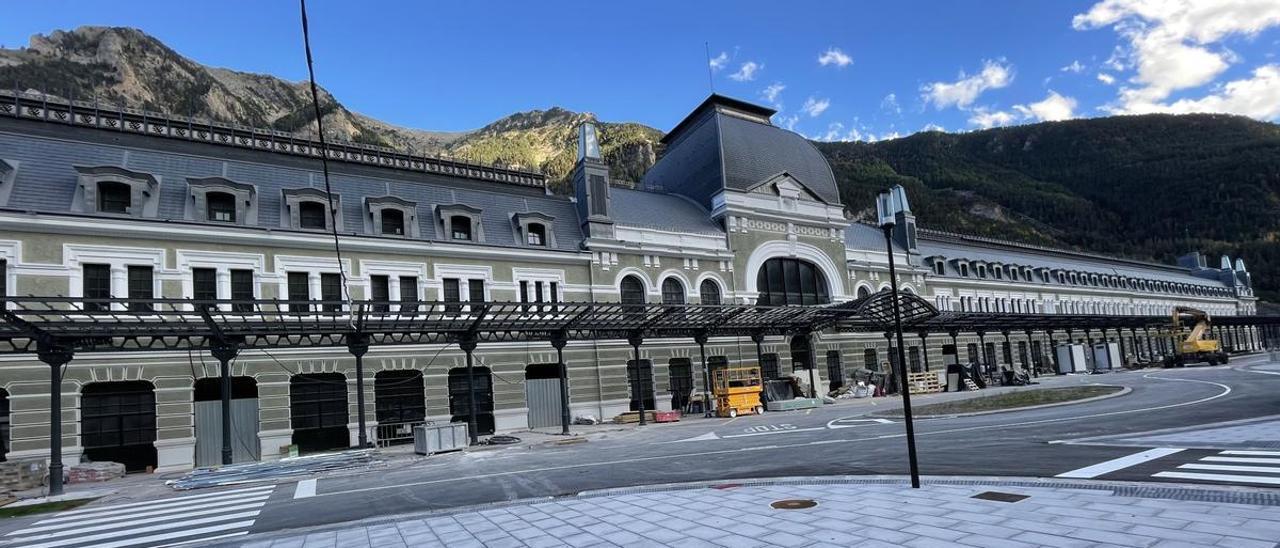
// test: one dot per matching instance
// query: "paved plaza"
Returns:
(849, 512)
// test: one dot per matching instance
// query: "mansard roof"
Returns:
(661, 211)
(730, 144)
(48, 153)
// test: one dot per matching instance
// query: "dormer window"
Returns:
(982, 271)
(460, 223)
(964, 269)
(997, 272)
(114, 197)
(460, 228)
(115, 190)
(939, 268)
(311, 216)
(220, 207)
(536, 234)
(392, 222)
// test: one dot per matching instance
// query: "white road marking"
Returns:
(1252, 453)
(183, 524)
(203, 539)
(1232, 468)
(772, 432)
(161, 506)
(1121, 463)
(1227, 478)
(1249, 460)
(135, 541)
(705, 437)
(306, 488)
(142, 517)
(850, 422)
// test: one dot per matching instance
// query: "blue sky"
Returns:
(841, 70)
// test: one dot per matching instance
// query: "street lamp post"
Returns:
(888, 205)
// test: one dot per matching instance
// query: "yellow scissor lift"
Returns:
(737, 390)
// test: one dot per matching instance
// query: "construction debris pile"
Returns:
(274, 471)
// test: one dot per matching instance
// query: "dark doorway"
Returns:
(542, 395)
(801, 353)
(459, 398)
(641, 376)
(680, 373)
(318, 407)
(399, 404)
(835, 369)
(4, 424)
(769, 367)
(118, 420)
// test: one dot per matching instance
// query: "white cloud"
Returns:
(1052, 108)
(833, 56)
(984, 118)
(964, 91)
(1257, 96)
(718, 62)
(771, 92)
(1106, 78)
(932, 127)
(1174, 46)
(747, 71)
(890, 104)
(833, 132)
(814, 107)
(789, 122)
(1075, 67)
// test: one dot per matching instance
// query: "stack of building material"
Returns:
(633, 416)
(17, 475)
(793, 404)
(275, 471)
(89, 472)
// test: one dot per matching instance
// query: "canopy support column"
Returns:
(558, 341)
(358, 346)
(468, 345)
(224, 352)
(56, 356)
(701, 339)
(638, 388)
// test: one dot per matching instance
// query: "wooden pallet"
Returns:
(969, 384)
(634, 416)
(924, 383)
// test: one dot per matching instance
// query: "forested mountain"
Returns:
(1151, 186)
(1148, 187)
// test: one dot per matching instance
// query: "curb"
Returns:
(1123, 391)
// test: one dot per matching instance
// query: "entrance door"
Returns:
(118, 423)
(641, 376)
(680, 371)
(801, 354)
(459, 398)
(769, 368)
(244, 421)
(399, 404)
(835, 369)
(318, 409)
(542, 394)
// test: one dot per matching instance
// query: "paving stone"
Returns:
(985, 541)
(934, 532)
(785, 539)
(1123, 539)
(1056, 541)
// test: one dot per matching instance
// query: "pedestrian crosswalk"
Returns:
(165, 522)
(1235, 467)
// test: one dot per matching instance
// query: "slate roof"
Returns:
(661, 211)
(46, 180)
(864, 237)
(1057, 259)
(724, 145)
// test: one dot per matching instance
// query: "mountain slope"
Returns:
(1150, 186)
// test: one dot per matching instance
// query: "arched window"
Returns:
(710, 292)
(114, 197)
(672, 291)
(311, 216)
(392, 221)
(632, 290)
(220, 207)
(863, 291)
(791, 281)
(536, 234)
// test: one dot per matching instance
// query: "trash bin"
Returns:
(439, 438)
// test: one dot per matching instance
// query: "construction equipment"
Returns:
(737, 390)
(1196, 346)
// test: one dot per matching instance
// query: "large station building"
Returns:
(97, 204)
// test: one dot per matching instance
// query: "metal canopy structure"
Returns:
(974, 322)
(77, 324)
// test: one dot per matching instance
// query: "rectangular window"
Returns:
(460, 227)
(97, 285)
(475, 291)
(242, 293)
(299, 290)
(554, 297)
(4, 283)
(408, 294)
(913, 358)
(524, 296)
(331, 290)
(141, 286)
(452, 294)
(204, 284)
(537, 294)
(380, 293)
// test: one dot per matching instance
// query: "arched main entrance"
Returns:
(118, 423)
(318, 411)
(245, 446)
(786, 281)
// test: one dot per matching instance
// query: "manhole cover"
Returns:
(999, 497)
(793, 504)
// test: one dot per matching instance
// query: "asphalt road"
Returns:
(833, 440)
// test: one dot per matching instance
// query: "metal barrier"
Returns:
(396, 433)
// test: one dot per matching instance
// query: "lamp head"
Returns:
(885, 208)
